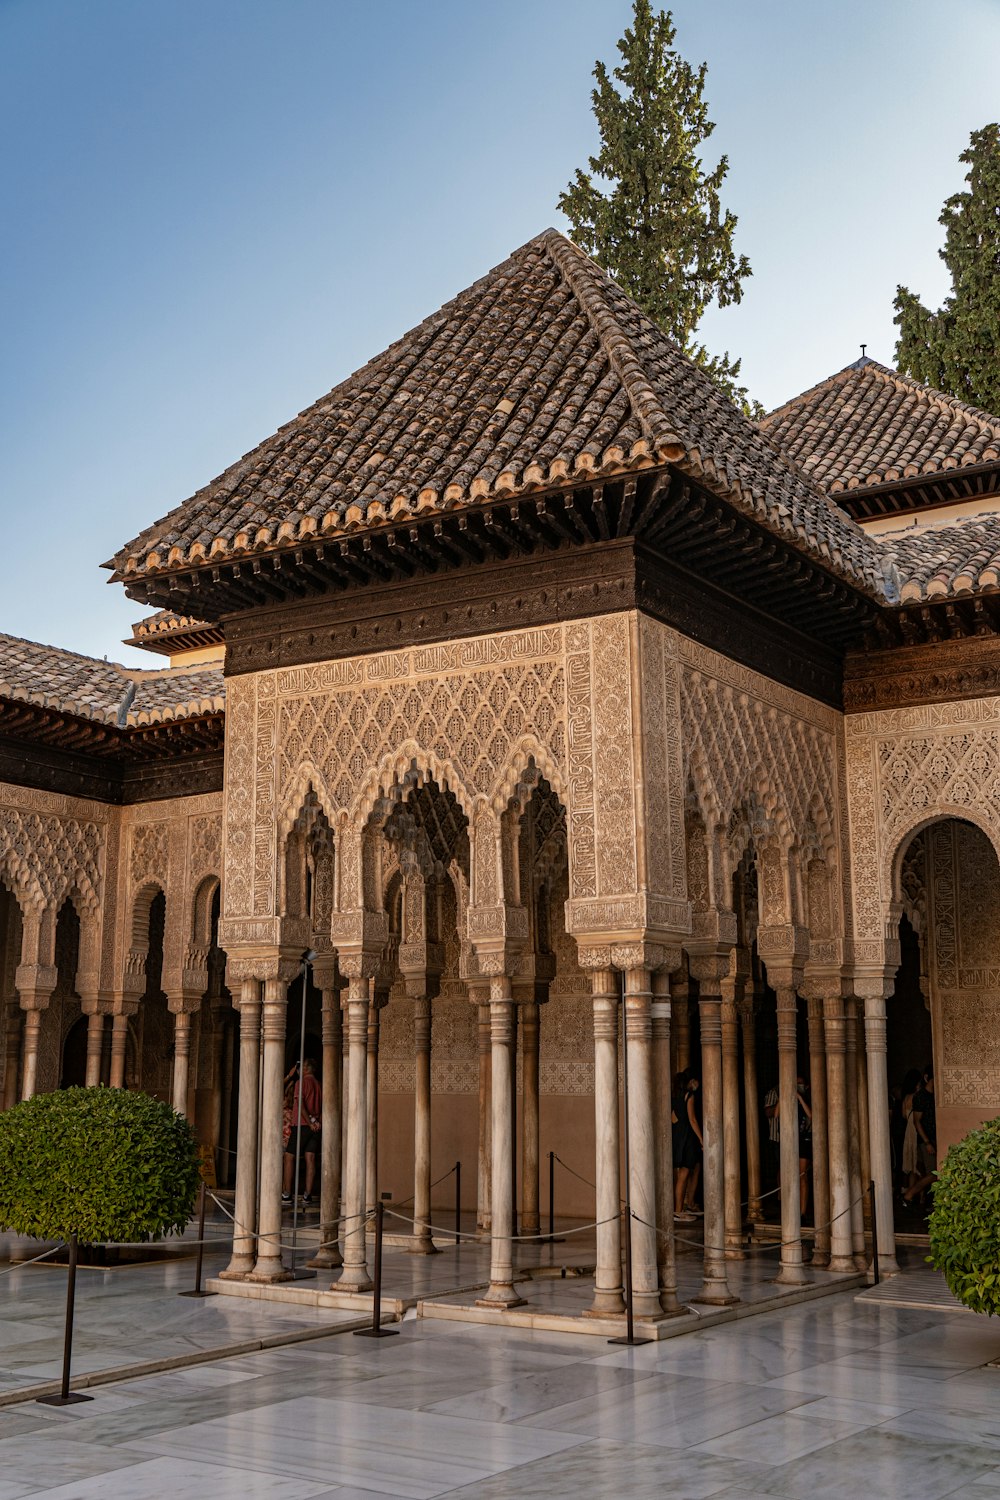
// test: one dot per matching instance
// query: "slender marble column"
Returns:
(820, 1134)
(732, 1183)
(371, 1079)
(502, 1292)
(95, 1047)
(268, 1265)
(680, 1019)
(330, 1142)
(354, 1276)
(119, 1043)
(608, 1298)
(485, 1121)
(182, 1061)
(642, 1176)
(665, 1247)
(751, 1099)
(878, 1108)
(715, 1288)
(854, 1136)
(245, 1213)
(841, 1250)
(422, 1241)
(15, 1027)
(29, 1060)
(792, 1272)
(529, 1014)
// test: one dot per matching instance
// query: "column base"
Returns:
(326, 1260)
(503, 1296)
(353, 1281)
(792, 1275)
(237, 1271)
(269, 1273)
(646, 1304)
(712, 1295)
(529, 1226)
(841, 1265)
(735, 1252)
(422, 1245)
(669, 1304)
(607, 1304)
(820, 1260)
(887, 1266)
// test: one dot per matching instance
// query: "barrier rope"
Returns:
(763, 1249)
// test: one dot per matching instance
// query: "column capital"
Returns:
(594, 951)
(183, 1004)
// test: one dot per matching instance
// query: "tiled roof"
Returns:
(945, 561)
(543, 373)
(869, 425)
(103, 691)
(165, 621)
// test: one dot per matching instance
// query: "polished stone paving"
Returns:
(833, 1398)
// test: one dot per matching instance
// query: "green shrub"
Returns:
(965, 1221)
(102, 1163)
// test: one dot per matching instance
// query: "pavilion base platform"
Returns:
(556, 1279)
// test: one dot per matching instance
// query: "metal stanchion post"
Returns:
(66, 1397)
(376, 1331)
(458, 1201)
(871, 1199)
(630, 1337)
(201, 1250)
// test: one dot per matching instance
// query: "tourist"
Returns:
(686, 1137)
(925, 1114)
(311, 1106)
(910, 1159)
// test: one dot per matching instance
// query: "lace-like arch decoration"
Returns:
(892, 869)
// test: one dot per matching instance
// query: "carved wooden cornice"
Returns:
(939, 672)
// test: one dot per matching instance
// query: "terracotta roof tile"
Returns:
(946, 560)
(104, 691)
(869, 425)
(541, 373)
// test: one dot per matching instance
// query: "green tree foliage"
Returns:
(102, 1163)
(965, 1222)
(956, 348)
(654, 219)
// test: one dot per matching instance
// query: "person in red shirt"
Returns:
(312, 1109)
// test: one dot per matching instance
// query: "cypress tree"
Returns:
(957, 348)
(654, 220)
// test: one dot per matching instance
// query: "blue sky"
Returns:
(216, 209)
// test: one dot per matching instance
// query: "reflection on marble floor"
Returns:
(835, 1398)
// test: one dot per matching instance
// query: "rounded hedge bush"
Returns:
(965, 1221)
(101, 1163)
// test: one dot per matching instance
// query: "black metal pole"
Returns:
(65, 1396)
(376, 1331)
(552, 1194)
(201, 1249)
(458, 1201)
(871, 1197)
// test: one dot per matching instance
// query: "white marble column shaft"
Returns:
(354, 1276)
(268, 1265)
(245, 1208)
(608, 1297)
(502, 1292)
(792, 1271)
(422, 1242)
(841, 1244)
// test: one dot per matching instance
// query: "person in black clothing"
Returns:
(925, 1114)
(686, 1142)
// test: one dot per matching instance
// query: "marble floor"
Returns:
(833, 1398)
